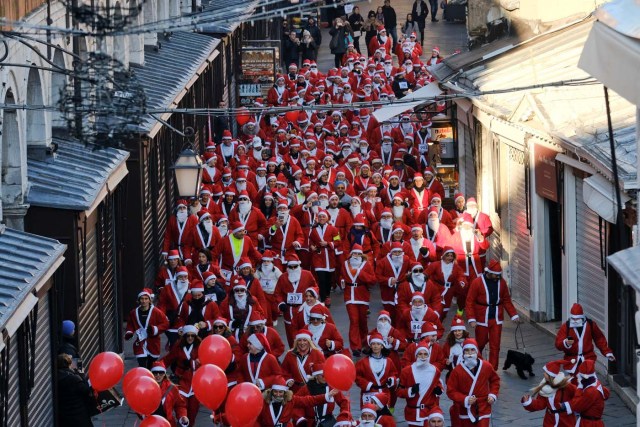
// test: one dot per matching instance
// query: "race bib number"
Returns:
(403, 85)
(416, 327)
(423, 148)
(367, 398)
(294, 298)
(226, 274)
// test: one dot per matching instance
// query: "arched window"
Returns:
(11, 173)
(36, 121)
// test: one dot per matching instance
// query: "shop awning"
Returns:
(77, 178)
(421, 96)
(27, 262)
(626, 264)
(599, 195)
(612, 51)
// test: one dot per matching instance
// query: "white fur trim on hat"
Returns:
(189, 329)
(421, 347)
(369, 410)
(158, 369)
(279, 387)
(253, 339)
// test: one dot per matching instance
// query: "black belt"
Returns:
(587, 417)
(488, 305)
(421, 406)
(355, 285)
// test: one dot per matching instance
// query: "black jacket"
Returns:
(315, 33)
(73, 400)
(389, 17)
(423, 12)
(68, 346)
(339, 34)
(290, 51)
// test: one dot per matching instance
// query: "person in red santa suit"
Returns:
(459, 208)
(301, 317)
(259, 366)
(254, 222)
(434, 230)
(282, 407)
(167, 273)
(361, 235)
(384, 417)
(473, 386)
(382, 230)
(268, 275)
(290, 290)
(278, 95)
(285, 232)
(481, 220)
(420, 386)
(231, 248)
(436, 418)
(339, 217)
(588, 402)
(298, 362)
(422, 249)
(368, 416)
(381, 40)
(179, 232)
(325, 335)
(376, 372)
(172, 407)
(417, 282)
(428, 333)
(211, 174)
(487, 299)
(452, 353)
(146, 322)
(393, 339)
(411, 319)
(183, 360)
(258, 325)
(420, 193)
(401, 213)
(233, 372)
(204, 235)
(471, 248)
(577, 336)
(356, 209)
(554, 390)
(169, 301)
(400, 234)
(254, 287)
(238, 307)
(325, 245)
(450, 279)
(432, 183)
(198, 311)
(391, 271)
(322, 413)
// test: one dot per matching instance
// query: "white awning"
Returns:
(412, 100)
(612, 51)
(599, 195)
(626, 264)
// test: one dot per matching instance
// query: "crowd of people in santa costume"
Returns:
(333, 204)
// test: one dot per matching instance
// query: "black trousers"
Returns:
(337, 60)
(434, 9)
(325, 280)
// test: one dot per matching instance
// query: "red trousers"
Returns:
(485, 422)
(193, 405)
(272, 309)
(454, 414)
(357, 325)
(490, 334)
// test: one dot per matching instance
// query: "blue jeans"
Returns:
(393, 32)
(434, 8)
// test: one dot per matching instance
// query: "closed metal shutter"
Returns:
(592, 291)
(40, 407)
(89, 333)
(13, 417)
(160, 200)
(515, 233)
(148, 228)
(107, 262)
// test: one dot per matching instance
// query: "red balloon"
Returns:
(340, 372)
(215, 350)
(143, 395)
(135, 373)
(243, 405)
(105, 370)
(155, 421)
(292, 116)
(210, 386)
(243, 116)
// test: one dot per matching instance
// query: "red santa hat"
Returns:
(587, 369)
(182, 271)
(386, 211)
(384, 314)
(375, 338)
(203, 214)
(359, 220)
(422, 345)
(457, 323)
(243, 193)
(180, 203)
(435, 196)
(416, 266)
(268, 255)
(417, 295)
(146, 291)
(226, 135)
(436, 49)
(304, 334)
(221, 321)
(318, 311)
(381, 29)
(577, 312)
(293, 259)
(323, 212)
(448, 249)
(239, 283)
(554, 369)
(207, 275)
(435, 414)
(222, 219)
(395, 245)
(433, 211)
(313, 290)
(216, 190)
(428, 329)
(173, 254)
(317, 369)
(158, 366)
(470, 343)
(471, 201)
(368, 408)
(380, 399)
(458, 196)
(279, 384)
(416, 227)
(493, 267)
(260, 342)
(256, 318)
(343, 420)
(236, 226)
(189, 329)
(196, 286)
(244, 262)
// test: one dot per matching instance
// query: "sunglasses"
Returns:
(158, 373)
(292, 267)
(315, 319)
(418, 270)
(218, 326)
(190, 335)
(240, 291)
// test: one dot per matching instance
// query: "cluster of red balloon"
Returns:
(105, 371)
(339, 372)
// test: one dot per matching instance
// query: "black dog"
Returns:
(522, 362)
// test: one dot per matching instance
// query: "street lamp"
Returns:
(188, 169)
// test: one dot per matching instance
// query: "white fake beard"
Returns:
(324, 204)
(194, 210)
(355, 210)
(244, 207)
(397, 260)
(294, 275)
(315, 329)
(267, 269)
(383, 39)
(418, 313)
(421, 364)
(368, 423)
(182, 216)
(386, 223)
(285, 216)
(257, 154)
(470, 361)
(223, 229)
(576, 323)
(406, 127)
(355, 262)
(434, 224)
(386, 148)
(241, 302)
(241, 187)
(315, 209)
(398, 211)
(418, 278)
(182, 286)
(384, 328)
(208, 225)
(472, 211)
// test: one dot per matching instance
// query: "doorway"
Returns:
(552, 260)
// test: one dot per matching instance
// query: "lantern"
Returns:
(188, 170)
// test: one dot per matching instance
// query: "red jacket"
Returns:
(482, 222)
(184, 359)
(436, 358)
(478, 300)
(199, 242)
(262, 373)
(254, 223)
(462, 384)
(282, 238)
(172, 403)
(369, 383)
(273, 338)
(287, 293)
(310, 413)
(209, 313)
(385, 272)
(418, 256)
(331, 333)
(301, 315)
(420, 404)
(325, 258)
(155, 325)
(452, 286)
(226, 256)
(289, 411)
(472, 263)
(411, 326)
(299, 369)
(429, 290)
(165, 277)
(342, 220)
(357, 283)
(176, 237)
(583, 345)
(278, 99)
(551, 403)
(169, 303)
(589, 402)
(420, 201)
(440, 238)
(229, 311)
